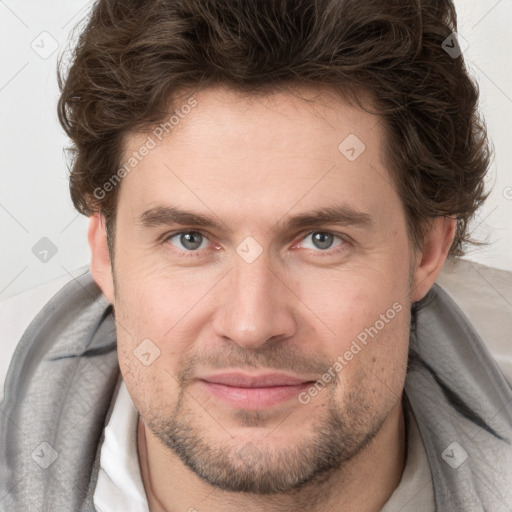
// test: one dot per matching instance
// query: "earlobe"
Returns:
(430, 260)
(101, 268)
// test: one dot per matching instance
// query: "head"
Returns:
(271, 187)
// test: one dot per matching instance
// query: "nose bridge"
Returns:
(252, 284)
(256, 306)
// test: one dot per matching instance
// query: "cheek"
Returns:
(355, 303)
(365, 317)
(155, 301)
(372, 364)
(159, 319)
(149, 375)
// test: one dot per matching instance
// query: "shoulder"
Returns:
(17, 312)
(484, 294)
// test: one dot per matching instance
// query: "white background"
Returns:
(34, 198)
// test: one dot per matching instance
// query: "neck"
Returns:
(364, 483)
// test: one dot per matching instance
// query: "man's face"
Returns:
(247, 312)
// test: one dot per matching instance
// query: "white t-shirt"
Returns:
(120, 485)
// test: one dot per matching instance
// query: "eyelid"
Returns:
(341, 236)
(299, 238)
(170, 234)
(165, 239)
(203, 240)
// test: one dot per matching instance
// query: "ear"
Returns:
(430, 260)
(101, 268)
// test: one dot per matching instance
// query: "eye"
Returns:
(321, 240)
(188, 240)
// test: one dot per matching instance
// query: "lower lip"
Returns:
(255, 398)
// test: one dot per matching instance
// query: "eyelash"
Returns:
(317, 253)
(187, 254)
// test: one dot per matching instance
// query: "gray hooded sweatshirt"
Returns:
(58, 398)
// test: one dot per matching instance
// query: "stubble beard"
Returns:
(241, 466)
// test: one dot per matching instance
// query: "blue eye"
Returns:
(321, 240)
(189, 240)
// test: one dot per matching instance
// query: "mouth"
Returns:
(254, 392)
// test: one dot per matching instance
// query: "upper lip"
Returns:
(244, 380)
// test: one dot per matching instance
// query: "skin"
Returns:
(252, 163)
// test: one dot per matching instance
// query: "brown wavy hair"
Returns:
(134, 57)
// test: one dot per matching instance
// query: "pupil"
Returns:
(191, 240)
(322, 240)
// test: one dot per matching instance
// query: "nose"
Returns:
(256, 306)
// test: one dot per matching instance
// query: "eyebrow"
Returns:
(341, 214)
(166, 215)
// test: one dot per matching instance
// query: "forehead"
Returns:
(252, 152)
